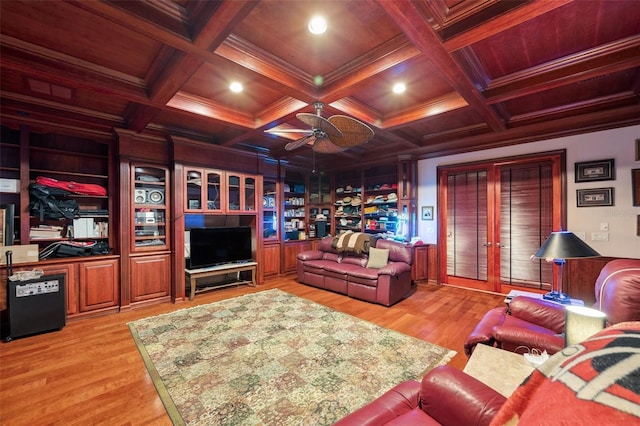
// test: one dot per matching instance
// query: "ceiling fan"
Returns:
(335, 134)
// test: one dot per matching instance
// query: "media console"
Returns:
(193, 274)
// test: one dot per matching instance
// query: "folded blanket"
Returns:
(353, 242)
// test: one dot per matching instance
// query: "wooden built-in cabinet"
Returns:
(98, 283)
(217, 191)
(295, 207)
(291, 250)
(150, 277)
(150, 208)
(271, 259)
(28, 155)
(91, 284)
(203, 191)
(148, 273)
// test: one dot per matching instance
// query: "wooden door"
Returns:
(494, 218)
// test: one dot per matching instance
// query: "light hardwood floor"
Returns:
(90, 372)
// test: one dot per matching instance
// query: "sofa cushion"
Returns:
(366, 273)
(332, 257)
(341, 268)
(358, 260)
(317, 264)
(377, 257)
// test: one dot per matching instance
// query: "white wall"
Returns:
(621, 217)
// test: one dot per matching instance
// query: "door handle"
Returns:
(501, 246)
(487, 244)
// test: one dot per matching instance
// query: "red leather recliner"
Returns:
(538, 324)
(446, 396)
(592, 382)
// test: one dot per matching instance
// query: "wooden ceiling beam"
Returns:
(602, 60)
(577, 108)
(171, 71)
(502, 23)
(37, 61)
(446, 103)
(208, 108)
(596, 121)
(416, 27)
(343, 81)
(292, 81)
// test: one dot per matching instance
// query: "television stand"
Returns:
(193, 274)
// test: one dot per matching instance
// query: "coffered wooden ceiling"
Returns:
(479, 73)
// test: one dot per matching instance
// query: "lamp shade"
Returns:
(581, 323)
(565, 245)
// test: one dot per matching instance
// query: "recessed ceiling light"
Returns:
(235, 87)
(317, 25)
(399, 88)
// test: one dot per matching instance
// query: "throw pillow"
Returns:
(377, 257)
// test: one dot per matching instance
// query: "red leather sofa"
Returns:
(538, 324)
(347, 273)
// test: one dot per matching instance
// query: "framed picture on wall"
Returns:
(592, 171)
(595, 197)
(635, 185)
(637, 149)
(427, 212)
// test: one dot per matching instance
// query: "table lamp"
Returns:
(562, 245)
(581, 323)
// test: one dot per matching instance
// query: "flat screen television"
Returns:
(217, 246)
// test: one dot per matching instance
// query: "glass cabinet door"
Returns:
(193, 193)
(250, 194)
(213, 191)
(270, 216)
(233, 192)
(150, 208)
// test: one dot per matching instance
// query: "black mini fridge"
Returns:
(35, 306)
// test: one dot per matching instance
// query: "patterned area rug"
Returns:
(271, 358)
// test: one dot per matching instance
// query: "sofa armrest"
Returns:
(483, 332)
(452, 397)
(529, 339)
(310, 255)
(394, 403)
(540, 312)
(394, 269)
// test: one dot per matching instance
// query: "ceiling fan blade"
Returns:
(289, 131)
(318, 122)
(354, 132)
(325, 146)
(298, 143)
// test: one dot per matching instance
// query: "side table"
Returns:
(514, 293)
(501, 370)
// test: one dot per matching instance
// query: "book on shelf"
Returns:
(83, 227)
(45, 231)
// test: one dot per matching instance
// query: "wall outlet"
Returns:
(599, 236)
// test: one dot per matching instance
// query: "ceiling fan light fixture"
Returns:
(317, 25)
(236, 87)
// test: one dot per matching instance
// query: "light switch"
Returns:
(604, 226)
